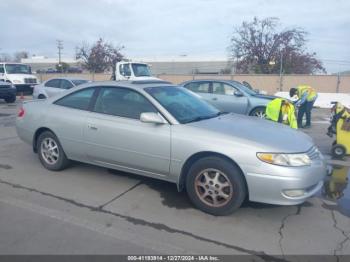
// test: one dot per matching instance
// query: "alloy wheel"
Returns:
(49, 151)
(213, 187)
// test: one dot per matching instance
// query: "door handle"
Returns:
(214, 98)
(92, 127)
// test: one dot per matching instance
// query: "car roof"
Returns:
(131, 84)
(211, 80)
(69, 78)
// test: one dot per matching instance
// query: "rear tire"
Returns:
(10, 99)
(216, 186)
(50, 152)
(41, 96)
(338, 151)
(258, 112)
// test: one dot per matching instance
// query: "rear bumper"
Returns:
(276, 189)
(7, 92)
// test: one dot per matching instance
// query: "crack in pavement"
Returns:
(157, 226)
(283, 223)
(340, 245)
(120, 195)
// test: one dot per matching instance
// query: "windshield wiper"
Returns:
(221, 113)
(200, 118)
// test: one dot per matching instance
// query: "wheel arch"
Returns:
(37, 133)
(195, 157)
(256, 107)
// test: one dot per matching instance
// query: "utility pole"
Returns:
(59, 47)
(281, 69)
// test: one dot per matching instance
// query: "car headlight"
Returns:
(16, 81)
(281, 159)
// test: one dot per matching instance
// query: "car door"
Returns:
(228, 99)
(53, 87)
(69, 119)
(65, 84)
(115, 136)
(201, 88)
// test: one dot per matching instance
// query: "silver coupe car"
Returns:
(164, 131)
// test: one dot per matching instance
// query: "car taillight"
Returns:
(21, 112)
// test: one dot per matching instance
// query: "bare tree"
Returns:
(257, 47)
(100, 57)
(18, 56)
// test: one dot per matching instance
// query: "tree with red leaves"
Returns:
(257, 47)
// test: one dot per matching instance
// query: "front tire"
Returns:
(216, 186)
(258, 112)
(50, 152)
(41, 96)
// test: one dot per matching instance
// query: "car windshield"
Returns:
(17, 69)
(184, 105)
(79, 82)
(141, 69)
(244, 88)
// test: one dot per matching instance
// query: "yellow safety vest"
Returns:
(275, 108)
(306, 88)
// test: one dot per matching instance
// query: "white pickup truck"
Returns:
(133, 71)
(20, 75)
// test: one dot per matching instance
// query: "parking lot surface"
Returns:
(92, 210)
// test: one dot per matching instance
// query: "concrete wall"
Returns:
(269, 83)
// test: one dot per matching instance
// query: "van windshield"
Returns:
(17, 69)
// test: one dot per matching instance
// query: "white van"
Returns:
(20, 75)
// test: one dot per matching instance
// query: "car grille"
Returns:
(5, 85)
(314, 153)
(30, 80)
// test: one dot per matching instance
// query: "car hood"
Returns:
(269, 97)
(262, 134)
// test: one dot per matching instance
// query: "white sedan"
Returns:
(55, 86)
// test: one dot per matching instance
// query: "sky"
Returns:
(169, 28)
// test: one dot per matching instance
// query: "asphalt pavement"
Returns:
(91, 210)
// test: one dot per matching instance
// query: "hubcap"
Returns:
(338, 151)
(260, 114)
(213, 187)
(49, 151)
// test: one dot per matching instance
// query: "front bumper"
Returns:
(26, 89)
(274, 187)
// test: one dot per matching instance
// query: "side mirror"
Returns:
(151, 117)
(238, 93)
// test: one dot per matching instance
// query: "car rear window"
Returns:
(78, 100)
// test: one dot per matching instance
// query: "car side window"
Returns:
(122, 102)
(65, 84)
(223, 89)
(53, 83)
(198, 87)
(79, 100)
(124, 70)
(2, 70)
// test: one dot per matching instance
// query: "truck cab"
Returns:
(133, 71)
(20, 75)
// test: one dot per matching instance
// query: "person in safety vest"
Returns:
(282, 111)
(306, 99)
